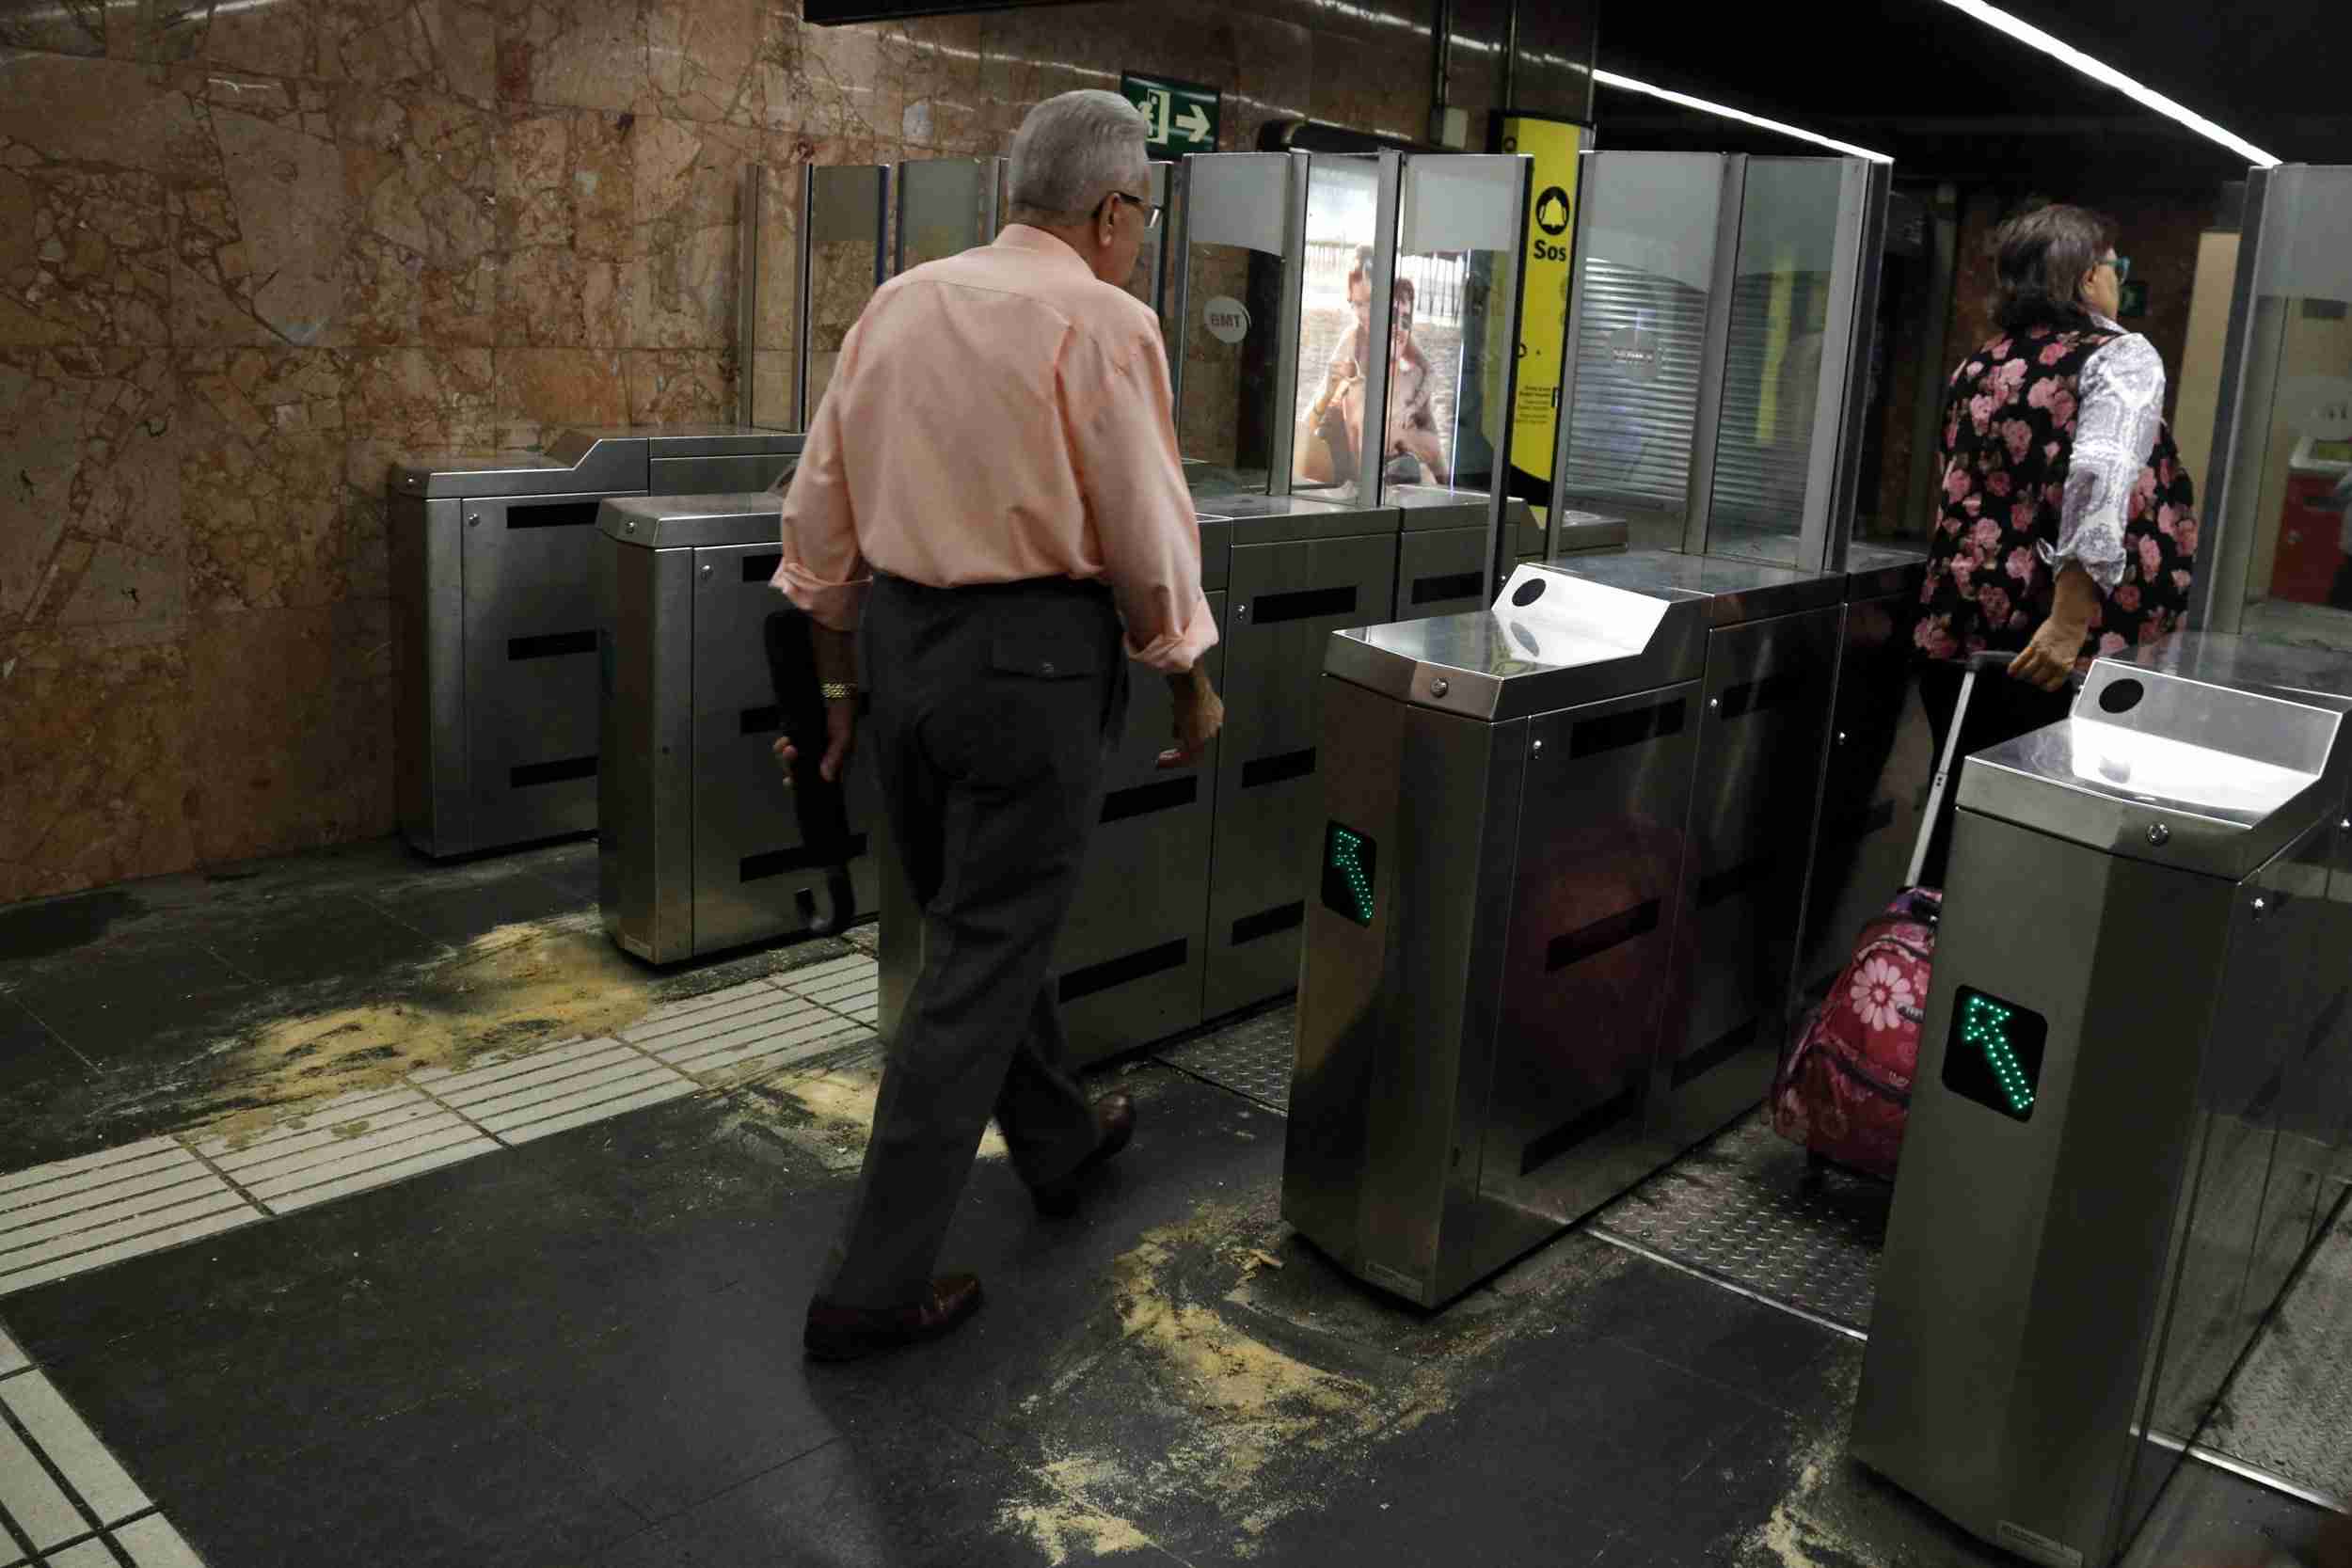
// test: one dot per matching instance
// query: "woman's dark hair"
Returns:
(2038, 259)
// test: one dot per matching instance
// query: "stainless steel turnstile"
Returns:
(495, 621)
(699, 844)
(1549, 936)
(2139, 948)
(1301, 570)
(1771, 656)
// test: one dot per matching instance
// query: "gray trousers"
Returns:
(993, 712)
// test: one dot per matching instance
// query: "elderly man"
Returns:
(993, 481)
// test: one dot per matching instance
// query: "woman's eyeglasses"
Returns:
(2122, 265)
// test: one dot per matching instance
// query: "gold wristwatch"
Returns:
(837, 691)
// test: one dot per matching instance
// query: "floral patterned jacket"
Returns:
(2055, 449)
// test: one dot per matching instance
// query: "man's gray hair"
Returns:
(1074, 150)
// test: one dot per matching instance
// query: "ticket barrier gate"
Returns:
(495, 625)
(2140, 967)
(701, 846)
(1547, 946)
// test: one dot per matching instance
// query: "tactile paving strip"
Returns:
(2289, 1408)
(1251, 1057)
(1747, 1209)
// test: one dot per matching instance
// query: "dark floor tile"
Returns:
(470, 902)
(459, 1481)
(572, 867)
(261, 1279)
(41, 928)
(927, 1498)
(1730, 1339)
(145, 1003)
(34, 1063)
(303, 937)
(2208, 1515)
(685, 1402)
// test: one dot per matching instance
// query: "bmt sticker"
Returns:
(1227, 319)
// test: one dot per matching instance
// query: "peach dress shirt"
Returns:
(998, 417)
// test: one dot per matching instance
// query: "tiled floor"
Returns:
(540, 1306)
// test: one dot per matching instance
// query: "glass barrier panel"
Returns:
(1454, 336)
(1772, 370)
(847, 206)
(775, 302)
(1335, 314)
(1644, 274)
(1236, 231)
(944, 208)
(2290, 471)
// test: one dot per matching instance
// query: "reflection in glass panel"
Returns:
(1644, 268)
(1236, 207)
(844, 253)
(1335, 314)
(1772, 370)
(2291, 471)
(1459, 258)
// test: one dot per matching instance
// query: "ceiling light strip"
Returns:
(1626, 84)
(2099, 70)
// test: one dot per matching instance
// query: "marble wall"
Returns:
(251, 249)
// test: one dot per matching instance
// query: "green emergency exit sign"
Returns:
(1182, 115)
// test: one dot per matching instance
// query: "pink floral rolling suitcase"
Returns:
(1844, 1088)
(1844, 1091)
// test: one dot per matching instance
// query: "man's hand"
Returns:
(1200, 714)
(2048, 661)
(840, 741)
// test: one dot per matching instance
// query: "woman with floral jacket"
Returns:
(2065, 522)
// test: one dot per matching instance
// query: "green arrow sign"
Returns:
(1182, 115)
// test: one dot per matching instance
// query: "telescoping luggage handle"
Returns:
(1991, 661)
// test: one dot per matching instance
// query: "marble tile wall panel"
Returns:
(421, 181)
(93, 720)
(261, 452)
(89, 512)
(567, 222)
(680, 386)
(542, 390)
(287, 748)
(688, 188)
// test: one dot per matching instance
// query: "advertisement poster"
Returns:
(1553, 145)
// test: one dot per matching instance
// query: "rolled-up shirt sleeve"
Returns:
(2121, 410)
(1118, 413)
(823, 571)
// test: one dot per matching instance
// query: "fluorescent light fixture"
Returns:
(2099, 70)
(1611, 79)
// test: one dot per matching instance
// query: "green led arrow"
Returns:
(1348, 860)
(1984, 1023)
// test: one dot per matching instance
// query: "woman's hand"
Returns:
(2048, 661)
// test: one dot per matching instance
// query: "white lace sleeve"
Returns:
(2122, 407)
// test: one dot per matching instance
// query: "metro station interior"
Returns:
(438, 1043)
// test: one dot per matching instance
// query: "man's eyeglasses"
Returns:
(2122, 265)
(1151, 213)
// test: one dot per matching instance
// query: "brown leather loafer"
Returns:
(847, 1333)
(1115, 1116)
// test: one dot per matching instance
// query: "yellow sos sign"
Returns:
(1552, 146)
